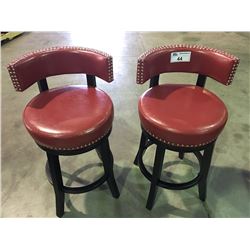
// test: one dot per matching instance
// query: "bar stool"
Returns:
(72, 119)
(181, 117)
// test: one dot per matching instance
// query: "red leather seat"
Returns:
(68, 118)
(182, 115)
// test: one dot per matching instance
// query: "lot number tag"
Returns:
(183, 56)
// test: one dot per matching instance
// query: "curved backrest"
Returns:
(202, 60)
(43, 63)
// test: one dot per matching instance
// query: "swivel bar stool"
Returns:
(181, 117)
(72, 119)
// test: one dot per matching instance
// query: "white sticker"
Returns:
(183, 56)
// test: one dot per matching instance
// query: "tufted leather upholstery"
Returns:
(182, 115)
(70, 117)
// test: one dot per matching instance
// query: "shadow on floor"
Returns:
(134, 187)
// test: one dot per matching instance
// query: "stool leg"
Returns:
(158, 162)
(98, 153)
(143, 142)
(108, 160)
(181, 155)
(205, 165)
(56, 176)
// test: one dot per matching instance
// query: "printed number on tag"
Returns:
(183, 56)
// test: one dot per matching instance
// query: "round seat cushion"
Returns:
(182, 115)
(69, 117)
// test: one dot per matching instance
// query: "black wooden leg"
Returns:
(56, 176)
(98, 153)
(158, 162)
(205, 165)
(47, 171)
(143, 142)
(181, 155)
(107, 159)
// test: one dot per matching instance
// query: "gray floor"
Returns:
(25, 190)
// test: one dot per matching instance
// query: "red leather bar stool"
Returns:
(72, 119)
(181, 117)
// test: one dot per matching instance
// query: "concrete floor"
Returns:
(25, 189)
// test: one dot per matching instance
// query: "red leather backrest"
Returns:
(216, 64)
(43, 63)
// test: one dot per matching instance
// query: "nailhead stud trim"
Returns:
(176, 144)
(233, 70)
(14, 77)
(110, 68)
(75, 148)
(140, 64)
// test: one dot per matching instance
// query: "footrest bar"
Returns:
(84, 189)
(167, 185)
